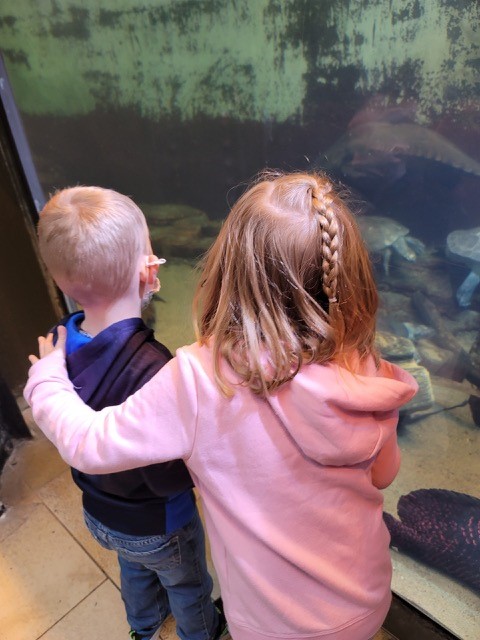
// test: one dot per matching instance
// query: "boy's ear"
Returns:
(148, 272)
(143, 268)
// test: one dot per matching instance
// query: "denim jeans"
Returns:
(163, 573)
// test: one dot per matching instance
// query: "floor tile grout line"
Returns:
(67, 613)
(34, 494)
(84, 549)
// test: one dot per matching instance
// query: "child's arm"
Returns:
(156, 424)
(387, 463)
(45, 345)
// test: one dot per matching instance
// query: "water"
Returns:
(178, 103)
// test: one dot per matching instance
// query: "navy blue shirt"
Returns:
(105, 370)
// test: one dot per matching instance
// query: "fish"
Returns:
(381, 149)
(441, 528)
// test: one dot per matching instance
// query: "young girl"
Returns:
(281, 410)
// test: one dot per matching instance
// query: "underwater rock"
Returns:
(425, 397)
(180, 230)
(426, 275)
(394, 307)
(169, 214)
(474, 404)
(448, 392)
(475, 350)
(442, 529)
(435, 358)
(385, 235)
(393, 347)
(428, 313)
(396, 304)
(463, 245)
(431, 274)
(412, 330)
(402, 351)
(467, 320)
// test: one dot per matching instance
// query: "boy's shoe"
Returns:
(135, 636)
(220, 634)
(222, 629)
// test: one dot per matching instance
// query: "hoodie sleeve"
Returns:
(387, 463)
(156, 424)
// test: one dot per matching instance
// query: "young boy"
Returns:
(96, 246)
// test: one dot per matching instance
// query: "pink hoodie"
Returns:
(290, 484)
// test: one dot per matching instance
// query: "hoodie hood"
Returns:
(341, 418)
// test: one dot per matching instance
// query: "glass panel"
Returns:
(177, 103)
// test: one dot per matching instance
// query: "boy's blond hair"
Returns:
(287, 282)
(91, 238)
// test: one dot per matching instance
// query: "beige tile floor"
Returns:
(56, 582)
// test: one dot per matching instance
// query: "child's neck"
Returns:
(100, 316)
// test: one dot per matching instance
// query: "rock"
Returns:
(474, 403)
(425, 398)
(434, 357)
(394, 348)
(180, 230)
(402, 351)
(166, 214)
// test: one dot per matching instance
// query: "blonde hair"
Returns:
(92, 238)
(287, 282)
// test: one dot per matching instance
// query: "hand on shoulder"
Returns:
(46, 346)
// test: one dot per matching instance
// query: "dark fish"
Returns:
(381, 149)
(442, 529)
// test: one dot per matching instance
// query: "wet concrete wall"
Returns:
(181, 100)
(250, 60)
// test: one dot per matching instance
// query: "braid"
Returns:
(322, 202)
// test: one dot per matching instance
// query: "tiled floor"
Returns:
(56, 582)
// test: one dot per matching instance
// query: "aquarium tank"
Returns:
(179, 103)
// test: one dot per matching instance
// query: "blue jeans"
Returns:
(163, 574)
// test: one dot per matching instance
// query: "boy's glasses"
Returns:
(152, 263)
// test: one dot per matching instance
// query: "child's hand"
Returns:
(45, 345)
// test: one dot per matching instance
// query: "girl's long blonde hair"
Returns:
(287, 282)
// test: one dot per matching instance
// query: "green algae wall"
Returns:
(247, 59)
(180, 57)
